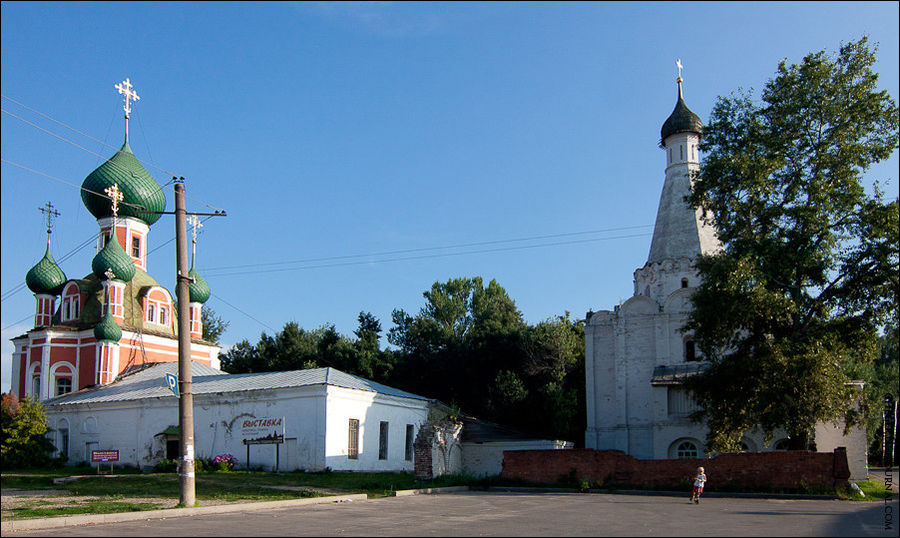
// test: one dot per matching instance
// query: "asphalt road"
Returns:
(526, 514)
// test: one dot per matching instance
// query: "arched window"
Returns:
(686, 449)
(684, 282)
(781, 444)
(151, 313)
(163, 315)
(36, 385)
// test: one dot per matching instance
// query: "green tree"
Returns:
(213, 325)
(810, 267)
(23, 427)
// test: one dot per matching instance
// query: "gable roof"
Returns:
(149, 382)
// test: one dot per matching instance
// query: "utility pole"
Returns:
(186, 397)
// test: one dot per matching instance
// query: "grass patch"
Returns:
(873, 489)
(97, 506)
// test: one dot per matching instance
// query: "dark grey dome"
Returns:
(682, 120)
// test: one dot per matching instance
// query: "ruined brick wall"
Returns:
(771, 470)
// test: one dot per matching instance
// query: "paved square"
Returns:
(527, 514)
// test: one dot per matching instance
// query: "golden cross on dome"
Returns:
(680, 67)
(116, 196)
(50, 214)
(195, 223)
(125, 88)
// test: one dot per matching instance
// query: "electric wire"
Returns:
(427, 256)
(173, 175)
(424, 249)
(242, 312)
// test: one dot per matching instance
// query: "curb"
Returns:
(707, 494)
(429, 491)
(93, 519)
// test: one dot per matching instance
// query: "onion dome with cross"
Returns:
(682, 119)
(198, 288)
(141, 193)
(112, 262)
(107, 330)
(46, 277)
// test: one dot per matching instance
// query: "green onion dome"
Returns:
(199, 289)
(113, 258)
(107, 329)
(137, 186)
(46, 277)
(682, 120)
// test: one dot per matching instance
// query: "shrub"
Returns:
(166, 466)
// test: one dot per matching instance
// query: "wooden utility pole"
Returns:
(186, 397)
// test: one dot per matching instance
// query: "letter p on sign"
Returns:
(172, 382)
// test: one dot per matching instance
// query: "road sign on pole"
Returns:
(172, 382)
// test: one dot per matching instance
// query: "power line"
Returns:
(242, 312)
(362, 262)
(424, 249)
(92, 152)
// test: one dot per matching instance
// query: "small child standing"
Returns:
(699, 481)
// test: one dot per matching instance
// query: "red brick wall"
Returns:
(775, 470)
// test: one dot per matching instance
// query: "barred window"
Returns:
(383, 441)
(353, 441)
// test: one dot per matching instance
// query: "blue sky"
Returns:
(340, 131)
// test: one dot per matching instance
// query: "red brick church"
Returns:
(89, 330)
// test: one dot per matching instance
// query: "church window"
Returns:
(383, 440)
(680, 152)
(690, 351)
(163, 315)
(410, 439)
(36, 386)
(782, 444)
(670, 155)
(62, 438)
(63, 385)
(151, 313)
(684, 282)
(680, 402)
(353, 440)
(135, 247)
(687, 449)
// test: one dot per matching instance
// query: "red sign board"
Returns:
(104, 455)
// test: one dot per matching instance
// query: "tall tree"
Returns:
(810, 267)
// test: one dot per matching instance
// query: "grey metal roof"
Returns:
(675, 374)
(150, 383)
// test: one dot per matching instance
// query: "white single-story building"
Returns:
(331, 419)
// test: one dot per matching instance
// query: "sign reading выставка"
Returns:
(263, 430)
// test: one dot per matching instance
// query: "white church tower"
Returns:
(636, 353)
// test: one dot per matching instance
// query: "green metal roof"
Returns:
(137, 186)
(46, 276)
(198, 289)
(112, 258)
(107, 330)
